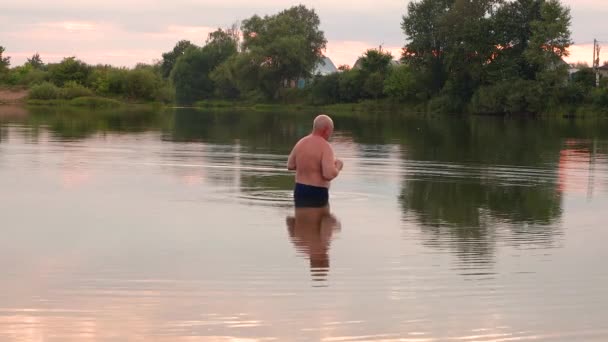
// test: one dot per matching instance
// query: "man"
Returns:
(315, 164)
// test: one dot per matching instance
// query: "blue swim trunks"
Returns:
(308, 196)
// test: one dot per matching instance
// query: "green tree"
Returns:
(287, 45)
(35, 61)
(170, 58)
(374, 60)
(425, 49)
(5, 62)
(70, 69)
(191, 74)
(402, 84)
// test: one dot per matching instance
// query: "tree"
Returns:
(549, 42)
(5, 62)
(70, 69)
(288, 45)
(376, 61)
(192, 71)
(426, 46)
(35, 61)
(170, 58)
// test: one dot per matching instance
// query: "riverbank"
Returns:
(12, 96)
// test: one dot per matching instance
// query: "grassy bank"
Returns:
(369, 106)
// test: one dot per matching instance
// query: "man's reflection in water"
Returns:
(311, 231)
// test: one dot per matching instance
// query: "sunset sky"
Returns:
(130, 31)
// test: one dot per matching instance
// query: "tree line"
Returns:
(477, 56)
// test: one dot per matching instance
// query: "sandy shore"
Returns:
(8, 96)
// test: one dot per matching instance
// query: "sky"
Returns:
(126, 32)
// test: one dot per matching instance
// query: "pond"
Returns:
(178, 225)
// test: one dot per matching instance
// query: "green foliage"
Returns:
(170, 58)
(192, 73)
(25, 75)
(326, 90)
(142, 84)
(445, 104)
(70, 69)
(5, 62)
(191, 76)
(351, 85)
(374, 85)
(477, 48)
(72, 90)
(287, 46)
(585, 78)
(402, 84)
(95, 102)
(600, 98)
(375, 61)
(45, 91)
(35, 62)
(511, 97)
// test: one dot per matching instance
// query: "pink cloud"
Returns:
(101, 42)
(347, 52)
(584, 53)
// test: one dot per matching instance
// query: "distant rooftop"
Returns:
(325, 67)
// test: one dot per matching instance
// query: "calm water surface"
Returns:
(178, 226)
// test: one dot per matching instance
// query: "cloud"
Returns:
(146, 28)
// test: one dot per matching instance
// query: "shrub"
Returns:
(70, 69)
(142, 84)
(72, 90)
(95, 102)
(45, 91)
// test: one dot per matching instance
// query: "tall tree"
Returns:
(425, 48)
(192, 71)
(35, 61)
(169, 58)
(5, 62)
(288, 45)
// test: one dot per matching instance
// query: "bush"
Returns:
(509, 97)
(72, 90)
(117, 81)
(95, 102)
(399, 83)
(600, 97)
(165, 94)
(45, 91)
(325, 89)
(445, 104)
(351, 83)
(142, 84)
(25, 75)
(70, 69)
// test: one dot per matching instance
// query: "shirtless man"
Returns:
(315, 164)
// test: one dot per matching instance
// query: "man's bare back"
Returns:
(313, 160)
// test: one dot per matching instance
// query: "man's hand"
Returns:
(339, 164)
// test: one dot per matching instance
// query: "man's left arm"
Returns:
(291, 161)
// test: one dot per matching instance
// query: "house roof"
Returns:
(325, 67)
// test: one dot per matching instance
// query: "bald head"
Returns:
(323, 126)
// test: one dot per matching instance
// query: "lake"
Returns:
(178, 225)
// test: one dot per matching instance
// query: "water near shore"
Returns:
(178, 226)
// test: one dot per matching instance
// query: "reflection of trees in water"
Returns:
(256, 131)
(469, 215)
(499, 184)
(79, 123)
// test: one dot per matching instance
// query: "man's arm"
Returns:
(328, 164)
(291, 161)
